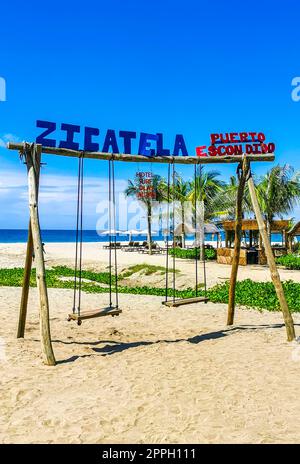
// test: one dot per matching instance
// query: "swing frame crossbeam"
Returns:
(33, 154)
(145, 159)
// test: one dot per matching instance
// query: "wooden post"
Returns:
(289, 243)
(25, 285)
(48, 355)
(285, 240)
(29, 256)
(243, 169)
(288, 320)
(200, 211)
(260, 244)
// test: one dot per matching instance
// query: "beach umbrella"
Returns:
(131, 232)
(111, 232)
(167, 232)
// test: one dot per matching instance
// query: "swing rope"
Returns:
(173, 228)
(204, 257)
(76, 312)
(195, 237)
(79, 215)
(168, 232)
(112, 223)
(109, 230)
(197, 186)
(114, 226)
(199, 174)
(81, 238)
(76, 243)
(204, 275)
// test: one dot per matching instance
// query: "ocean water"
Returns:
(20, 236)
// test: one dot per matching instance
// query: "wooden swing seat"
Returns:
(90, 314)
(184, 301)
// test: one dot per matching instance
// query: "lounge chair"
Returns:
(155, 248)
(143, 247)
(112, 245)
(125, 247)
(133, 247)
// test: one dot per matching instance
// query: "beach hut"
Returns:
(185, 229)
(291, 235)
(212, 229)
(252, 251)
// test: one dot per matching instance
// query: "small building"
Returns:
(291, 235)
(209, 228)
(252, 251)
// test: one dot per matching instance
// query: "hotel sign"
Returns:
(236, 143)
(130, 142)
(109, 141)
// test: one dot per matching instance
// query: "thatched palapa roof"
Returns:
(251, 224)
(209, 228)
(295, 229)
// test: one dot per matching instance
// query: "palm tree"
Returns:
(207, 189)
(227, 199)
(133, 190)
(179, 192)
(278, 192)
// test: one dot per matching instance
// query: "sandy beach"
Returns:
(151, 375)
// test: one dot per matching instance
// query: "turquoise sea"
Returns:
(20, 236)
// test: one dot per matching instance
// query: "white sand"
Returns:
(151, 375)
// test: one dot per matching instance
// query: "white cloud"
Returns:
(57, 199)
(57, 204)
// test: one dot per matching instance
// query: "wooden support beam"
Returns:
(250, 238)
(289, 241)
(288, 320)
(29, 255)
(260, 243)
(47, 351)
(147, 159)
(25, 285)
(242, 175)
(285, 239)
(226, 239)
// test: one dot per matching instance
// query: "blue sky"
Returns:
(192, 67)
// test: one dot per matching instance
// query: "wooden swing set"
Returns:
(32, 154)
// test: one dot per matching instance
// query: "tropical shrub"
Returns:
(260, 295)
(210, 253)
(289, 261)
